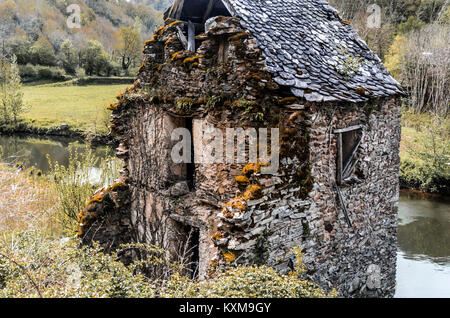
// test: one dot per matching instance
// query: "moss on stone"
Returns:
(253, 192)
(236, 205)
(238, 36)
(228, 256)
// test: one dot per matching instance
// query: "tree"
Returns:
(43, 52)
(94, 58)
(420, 60)
(69, 57)
(130, 46)
(11, 96)
(20, 47)
(412, 24)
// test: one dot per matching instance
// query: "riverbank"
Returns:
(425, 153)
(67, 110)
(24, 129)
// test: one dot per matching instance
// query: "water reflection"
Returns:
(32, 152)
(423, 261)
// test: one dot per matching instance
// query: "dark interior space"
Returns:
(188, 253)
(190, 167)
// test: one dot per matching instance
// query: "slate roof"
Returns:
(309, 49)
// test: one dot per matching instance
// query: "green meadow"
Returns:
(81, 107)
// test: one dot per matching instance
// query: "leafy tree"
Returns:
(11, 96)
(20, 46)
(94, 58)
(68, 57)
(130, 46)
(43, 52)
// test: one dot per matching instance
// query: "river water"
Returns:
(423, 258)
(32, 152)
(423, 261)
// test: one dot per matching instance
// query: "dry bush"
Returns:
(26, 202)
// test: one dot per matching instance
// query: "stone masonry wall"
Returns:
(242, 216)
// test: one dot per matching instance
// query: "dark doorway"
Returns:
(190, 167)
(188, 249)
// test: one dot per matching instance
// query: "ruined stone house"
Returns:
(295, 65)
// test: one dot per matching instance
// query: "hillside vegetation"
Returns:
(108, 41)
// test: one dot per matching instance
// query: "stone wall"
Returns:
(241, 215)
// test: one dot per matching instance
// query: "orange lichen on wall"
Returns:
(238, 36)
(253, 192)
(236, 205)
(177, 55)
(120, 95)
(169, 41)
(242, 180)
(229, 257)
(173, 23)
(86, 216)
(113, 106)
(219, 235)
(253, 168)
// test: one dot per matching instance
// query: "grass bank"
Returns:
(83, 108)
(425, 153)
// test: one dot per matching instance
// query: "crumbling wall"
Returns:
(244, 217)
(299, 207)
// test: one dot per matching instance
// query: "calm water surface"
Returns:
(423, 258)
(32, 152)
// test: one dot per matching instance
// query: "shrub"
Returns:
(51, 73)
(33, 266)
(27, 71)
(426, 157)
(247, 282)
(75, 183)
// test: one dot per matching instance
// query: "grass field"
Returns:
(81, 107)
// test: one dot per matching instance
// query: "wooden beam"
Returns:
(351, 128)
(339, 164)
(191, 36)
(182, 38)
(350, 160)
(342, 203)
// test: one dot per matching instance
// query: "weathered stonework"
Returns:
(239, 215)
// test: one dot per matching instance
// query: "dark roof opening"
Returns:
(197, 11)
